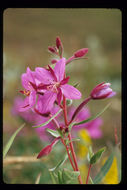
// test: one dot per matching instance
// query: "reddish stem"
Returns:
(71, 144)
(88, 173)
(74, 157)
(65, 111)
(68, 154)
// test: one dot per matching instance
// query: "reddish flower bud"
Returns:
(45, 151)
(81, 52)
(102, 91)
(58, 42)
(53, 61)
(52, 49)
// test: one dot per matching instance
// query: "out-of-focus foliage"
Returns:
(27, 35)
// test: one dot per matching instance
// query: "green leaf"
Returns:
(54, 133)
(60, 163)
(93, 117)
(60, 133)
(9, 143)
(70, 126)
(90, 153)
(53, 177)
(91, 180)
(38, 178)
(117, 153)
(104, 170)
(97, 156)
(43, 124)
(74, 139)
(60, 179)
(69, 175)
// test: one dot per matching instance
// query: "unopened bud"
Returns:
(58, 42)
(51, 49)
(81, 52)
(53, 61)
(102, 91)
(45, 151)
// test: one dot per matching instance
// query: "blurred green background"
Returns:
(27, 33)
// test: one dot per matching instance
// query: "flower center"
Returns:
(53, 87)
(27, 92)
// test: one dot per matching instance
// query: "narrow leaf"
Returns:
(105, 168)
(68, 174)
(60, 163)
(38, 178)
(90, 153)
(93, 117)
(60, 179)
(43, 124)
(74, 139)
(91, 180)
(9, 143)
(97, 156)
(71, 125)
(53, 177)
(54, 133)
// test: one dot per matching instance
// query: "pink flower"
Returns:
(28, 115)
(92, 127)
(102, 91)
(29, 84)
(55, 85)
(41, 131)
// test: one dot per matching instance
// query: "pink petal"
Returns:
(32, 98)
(25, 105)
(60, 69)
(59, 96)
(43, 75)
(94, 128)
(45, 102)
(24, 81)
(30, 75)
(70, 92)
(65, 80)
(112, 94)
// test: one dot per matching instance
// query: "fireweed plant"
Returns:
(48, 95)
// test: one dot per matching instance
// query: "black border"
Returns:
(75, 4)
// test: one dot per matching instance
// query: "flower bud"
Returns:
(53, 61)
(58, 42)
(102, 91)
(45, 151)
(81, 52)
(52, 49)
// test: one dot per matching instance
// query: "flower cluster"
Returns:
(47, 91)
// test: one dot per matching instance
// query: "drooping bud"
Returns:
(81, 52)
(45, 151)
(52, 49)
(102, 91)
